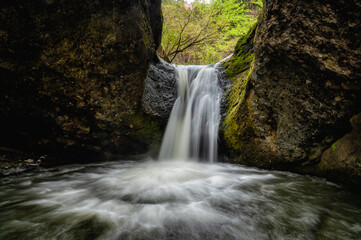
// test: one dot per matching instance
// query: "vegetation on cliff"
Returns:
(204, 32)
(239, 69)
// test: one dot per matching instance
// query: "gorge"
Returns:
(84, 95)
(177, 197)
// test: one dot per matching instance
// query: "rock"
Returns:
(296, 44)
(160, 90)
(72, 76)
(29, 161)
(342, 161)
(156, 23)
(294, 98)
(10, 171)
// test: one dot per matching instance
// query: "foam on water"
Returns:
(174, 200)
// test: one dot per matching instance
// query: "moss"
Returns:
(238, 123)
(239, 127)
(333, 146)
(243, 55)
(147, 129)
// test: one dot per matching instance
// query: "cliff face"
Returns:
(299, 90)
(72, 76)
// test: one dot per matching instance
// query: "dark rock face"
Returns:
(156, 23)
(303, 86)
(308, 66)
(160, 90)
(72, 75)
(342, 161)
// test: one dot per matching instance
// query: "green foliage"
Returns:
(204, 32)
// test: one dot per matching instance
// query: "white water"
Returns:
(192, 129)
(174, 200)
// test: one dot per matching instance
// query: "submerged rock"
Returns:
(72, 76)
(293, 99)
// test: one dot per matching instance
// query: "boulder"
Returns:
(72, 76)
(296, 83)
(160, 91)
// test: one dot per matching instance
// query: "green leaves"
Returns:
(203, 33)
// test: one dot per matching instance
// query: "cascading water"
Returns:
(192, 129)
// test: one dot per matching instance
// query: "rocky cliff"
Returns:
(296, 84)
(72, 76)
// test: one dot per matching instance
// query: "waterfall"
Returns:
(192, 128)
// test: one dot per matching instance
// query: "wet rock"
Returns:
(10, 171)
(29, 161)
(160, 90)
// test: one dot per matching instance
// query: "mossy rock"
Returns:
(243, 55)
(243, 142)
(289, 113)
(73, 76)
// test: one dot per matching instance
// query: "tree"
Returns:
(185, 26)
(201, 32)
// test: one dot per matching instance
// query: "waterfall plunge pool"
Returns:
(174, 200)
(177, 198)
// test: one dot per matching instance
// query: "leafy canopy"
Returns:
(204, 32)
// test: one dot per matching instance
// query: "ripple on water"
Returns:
(174, 200)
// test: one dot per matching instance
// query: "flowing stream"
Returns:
(177, 197)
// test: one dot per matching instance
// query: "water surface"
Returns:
(174, 200)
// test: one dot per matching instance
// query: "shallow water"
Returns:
(174, 200)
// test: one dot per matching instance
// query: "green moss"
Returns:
(243, 55)
(145, 129)
(238, 122)
(333, 146)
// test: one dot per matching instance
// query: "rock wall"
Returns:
(296, 96)
(72, 76)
